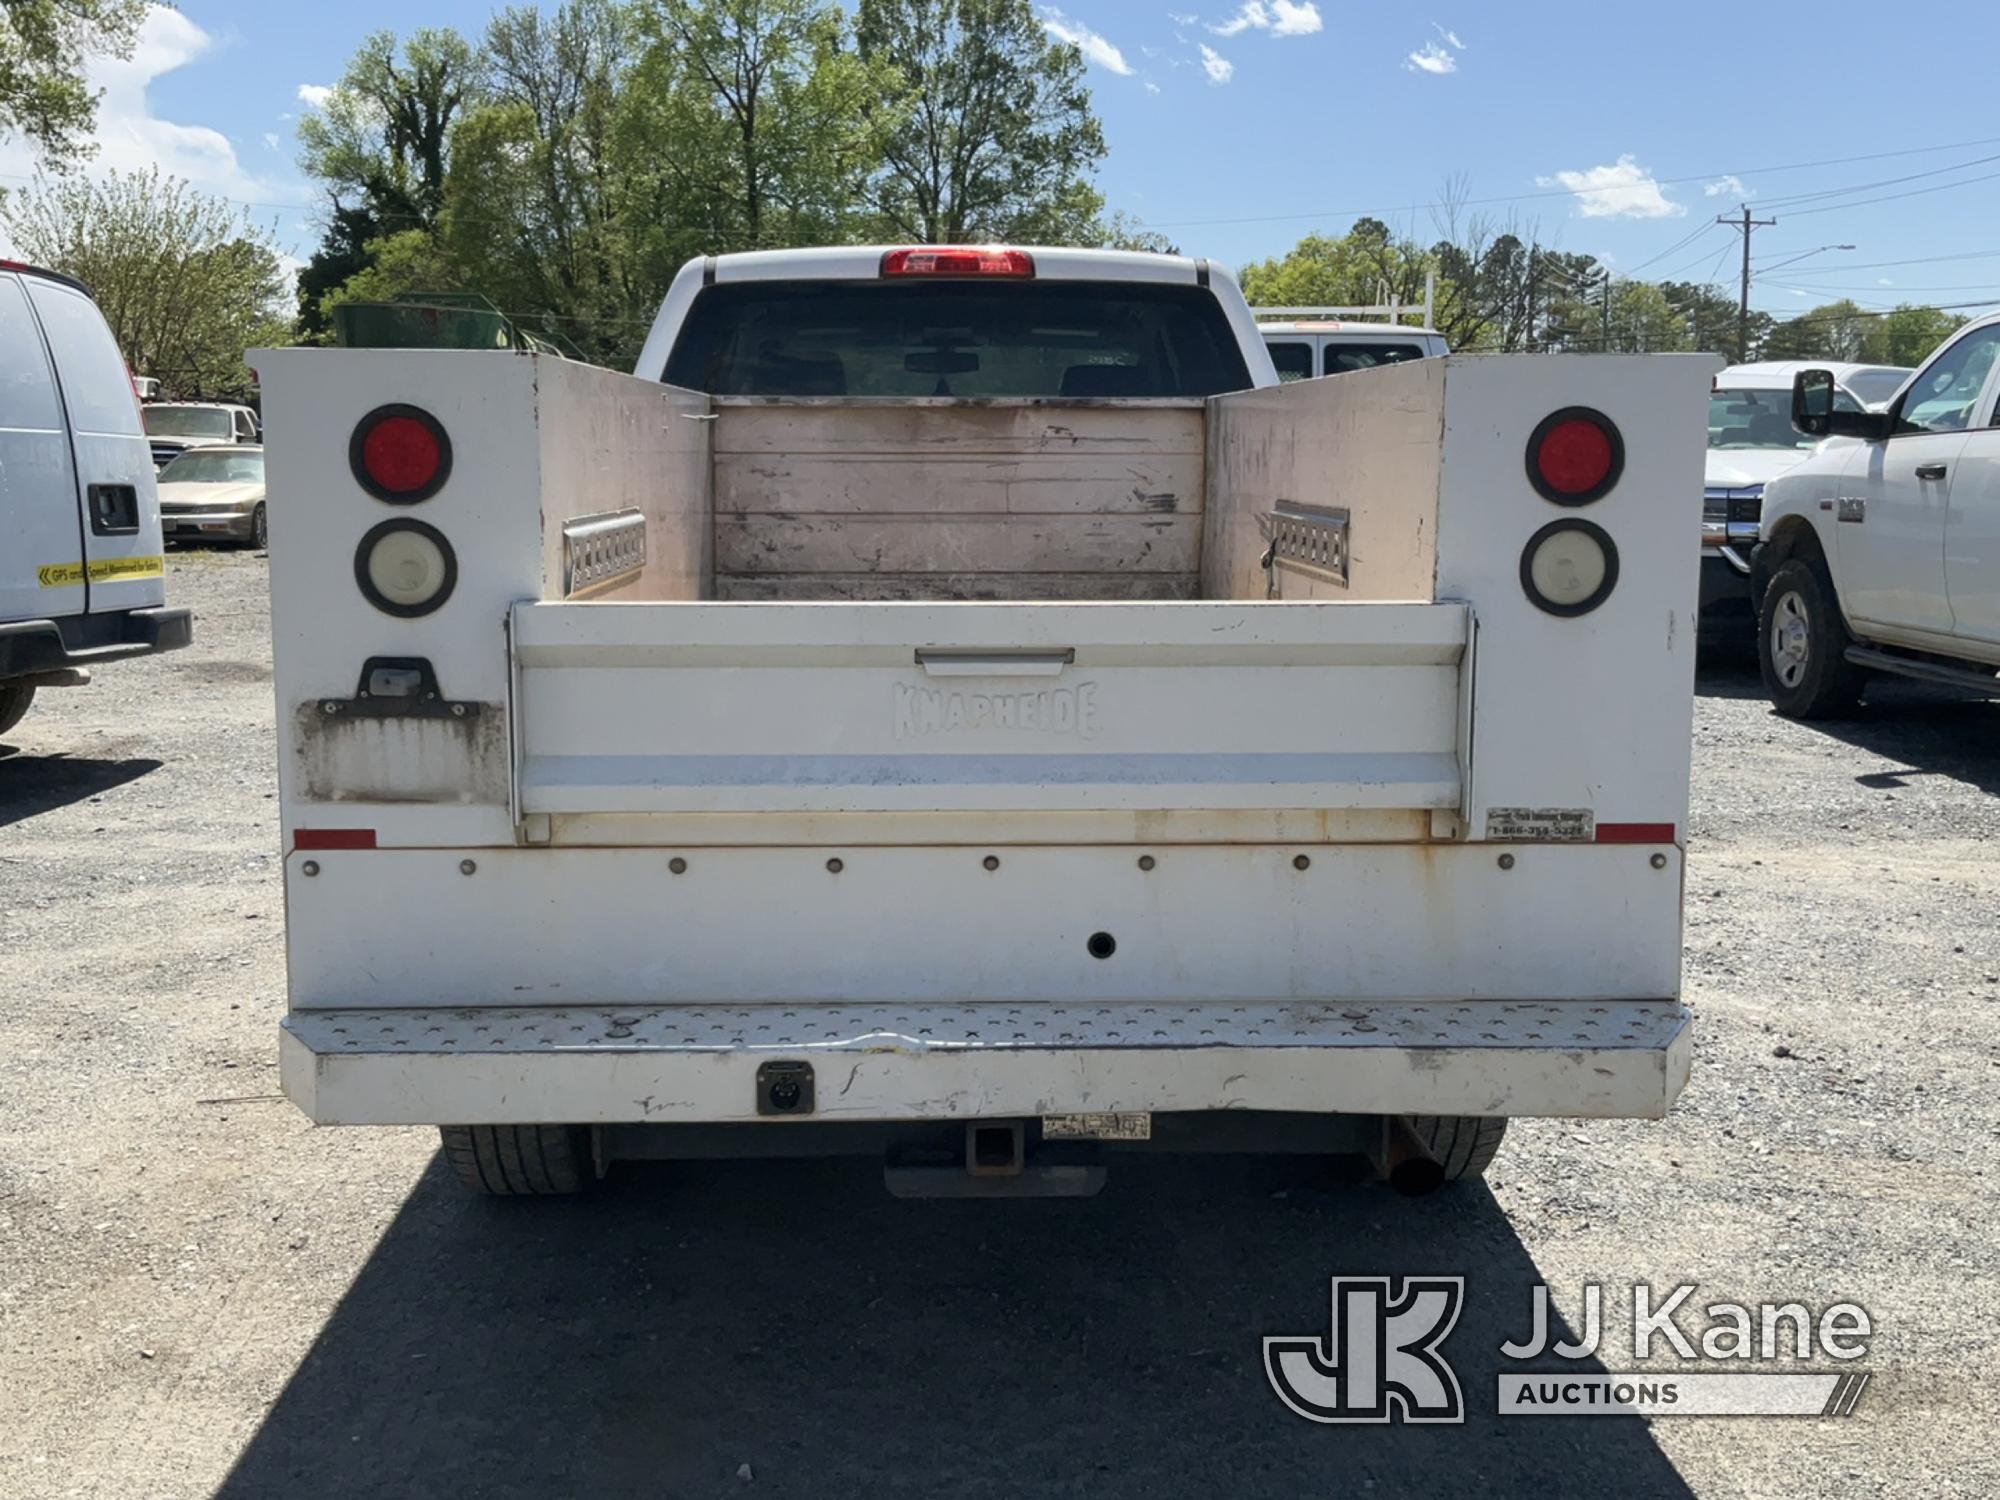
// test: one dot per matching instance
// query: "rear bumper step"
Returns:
(593, 1065)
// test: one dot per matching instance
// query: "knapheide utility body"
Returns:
(957, 704)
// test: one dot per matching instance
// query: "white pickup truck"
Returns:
(1882, 555)
(955, 704)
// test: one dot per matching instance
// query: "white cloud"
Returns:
(1219, 68)
(271, 139)
(1279, 17)
(1151, 87)
(1430, 58)
(1093, 46)
(1433, 59)
(1883, 281)
(314, 95)
(1729, 185)
(130, 138)
(1623, 190)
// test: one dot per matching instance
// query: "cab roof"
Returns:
(23, 268)
(1776, 374)
(864, 263)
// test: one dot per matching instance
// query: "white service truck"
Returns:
(1881, 551)
(956, 704)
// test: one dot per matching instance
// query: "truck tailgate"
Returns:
(894, 707)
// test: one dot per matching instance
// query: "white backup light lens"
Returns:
(1569, 567)
(405, 568)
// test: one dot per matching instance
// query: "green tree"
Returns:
(987, 129)
(411, 261)
(186, 281)
(1368, 264)
(771, 109)
(1836, 331)
(1909, 335)
(383, 137)
(43, 45)
(1711, 316)
(381, 147)
(544, 161)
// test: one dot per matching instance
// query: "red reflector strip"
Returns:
(333, 838)
(1635, 833)
(958, 260)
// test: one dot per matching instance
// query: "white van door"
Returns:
(113, 463)
(41, 567)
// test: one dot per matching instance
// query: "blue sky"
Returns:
(1238, 125)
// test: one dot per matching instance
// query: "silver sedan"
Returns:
(214, 494)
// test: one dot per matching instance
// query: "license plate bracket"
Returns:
(1100, 1125)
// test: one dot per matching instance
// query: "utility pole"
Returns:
(1604, 332)
(1745, 224)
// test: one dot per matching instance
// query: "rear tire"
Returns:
(1464, 1145)
(14, 700)
(520, 1161)
(260, 530)
(1802, 645)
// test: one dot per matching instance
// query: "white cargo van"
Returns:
(955, 704)
(81, 579)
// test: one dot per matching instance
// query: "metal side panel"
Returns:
(889, 707)
(597, 1065)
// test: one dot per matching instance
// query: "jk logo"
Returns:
(1381, 1352)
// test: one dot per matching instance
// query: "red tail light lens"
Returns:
(1575, 456)
(400, 454)
(958, 260)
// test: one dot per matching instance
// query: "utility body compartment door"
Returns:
(986, 708)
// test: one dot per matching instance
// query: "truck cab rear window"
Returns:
(1344, 357)
(956, 338)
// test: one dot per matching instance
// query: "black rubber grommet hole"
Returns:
(1102, 945)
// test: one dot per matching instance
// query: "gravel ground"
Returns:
(200, 1294)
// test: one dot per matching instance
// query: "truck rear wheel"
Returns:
(1464, 1145)
(14, 700)
(520, 1161)
(1802, 645)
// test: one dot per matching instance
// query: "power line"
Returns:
(1862, 187)
(1920, 260)
(1942, 187)
(1677, 245)
(1881, 291)
(1800, 166)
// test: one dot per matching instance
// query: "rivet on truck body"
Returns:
(1659, 861)
(1145, 861)
(1506, 861)
(466, 867)
(677, 865)
(458, 710)
(1301, 862)
(834, 866)
(310, 867)
(992, 861)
